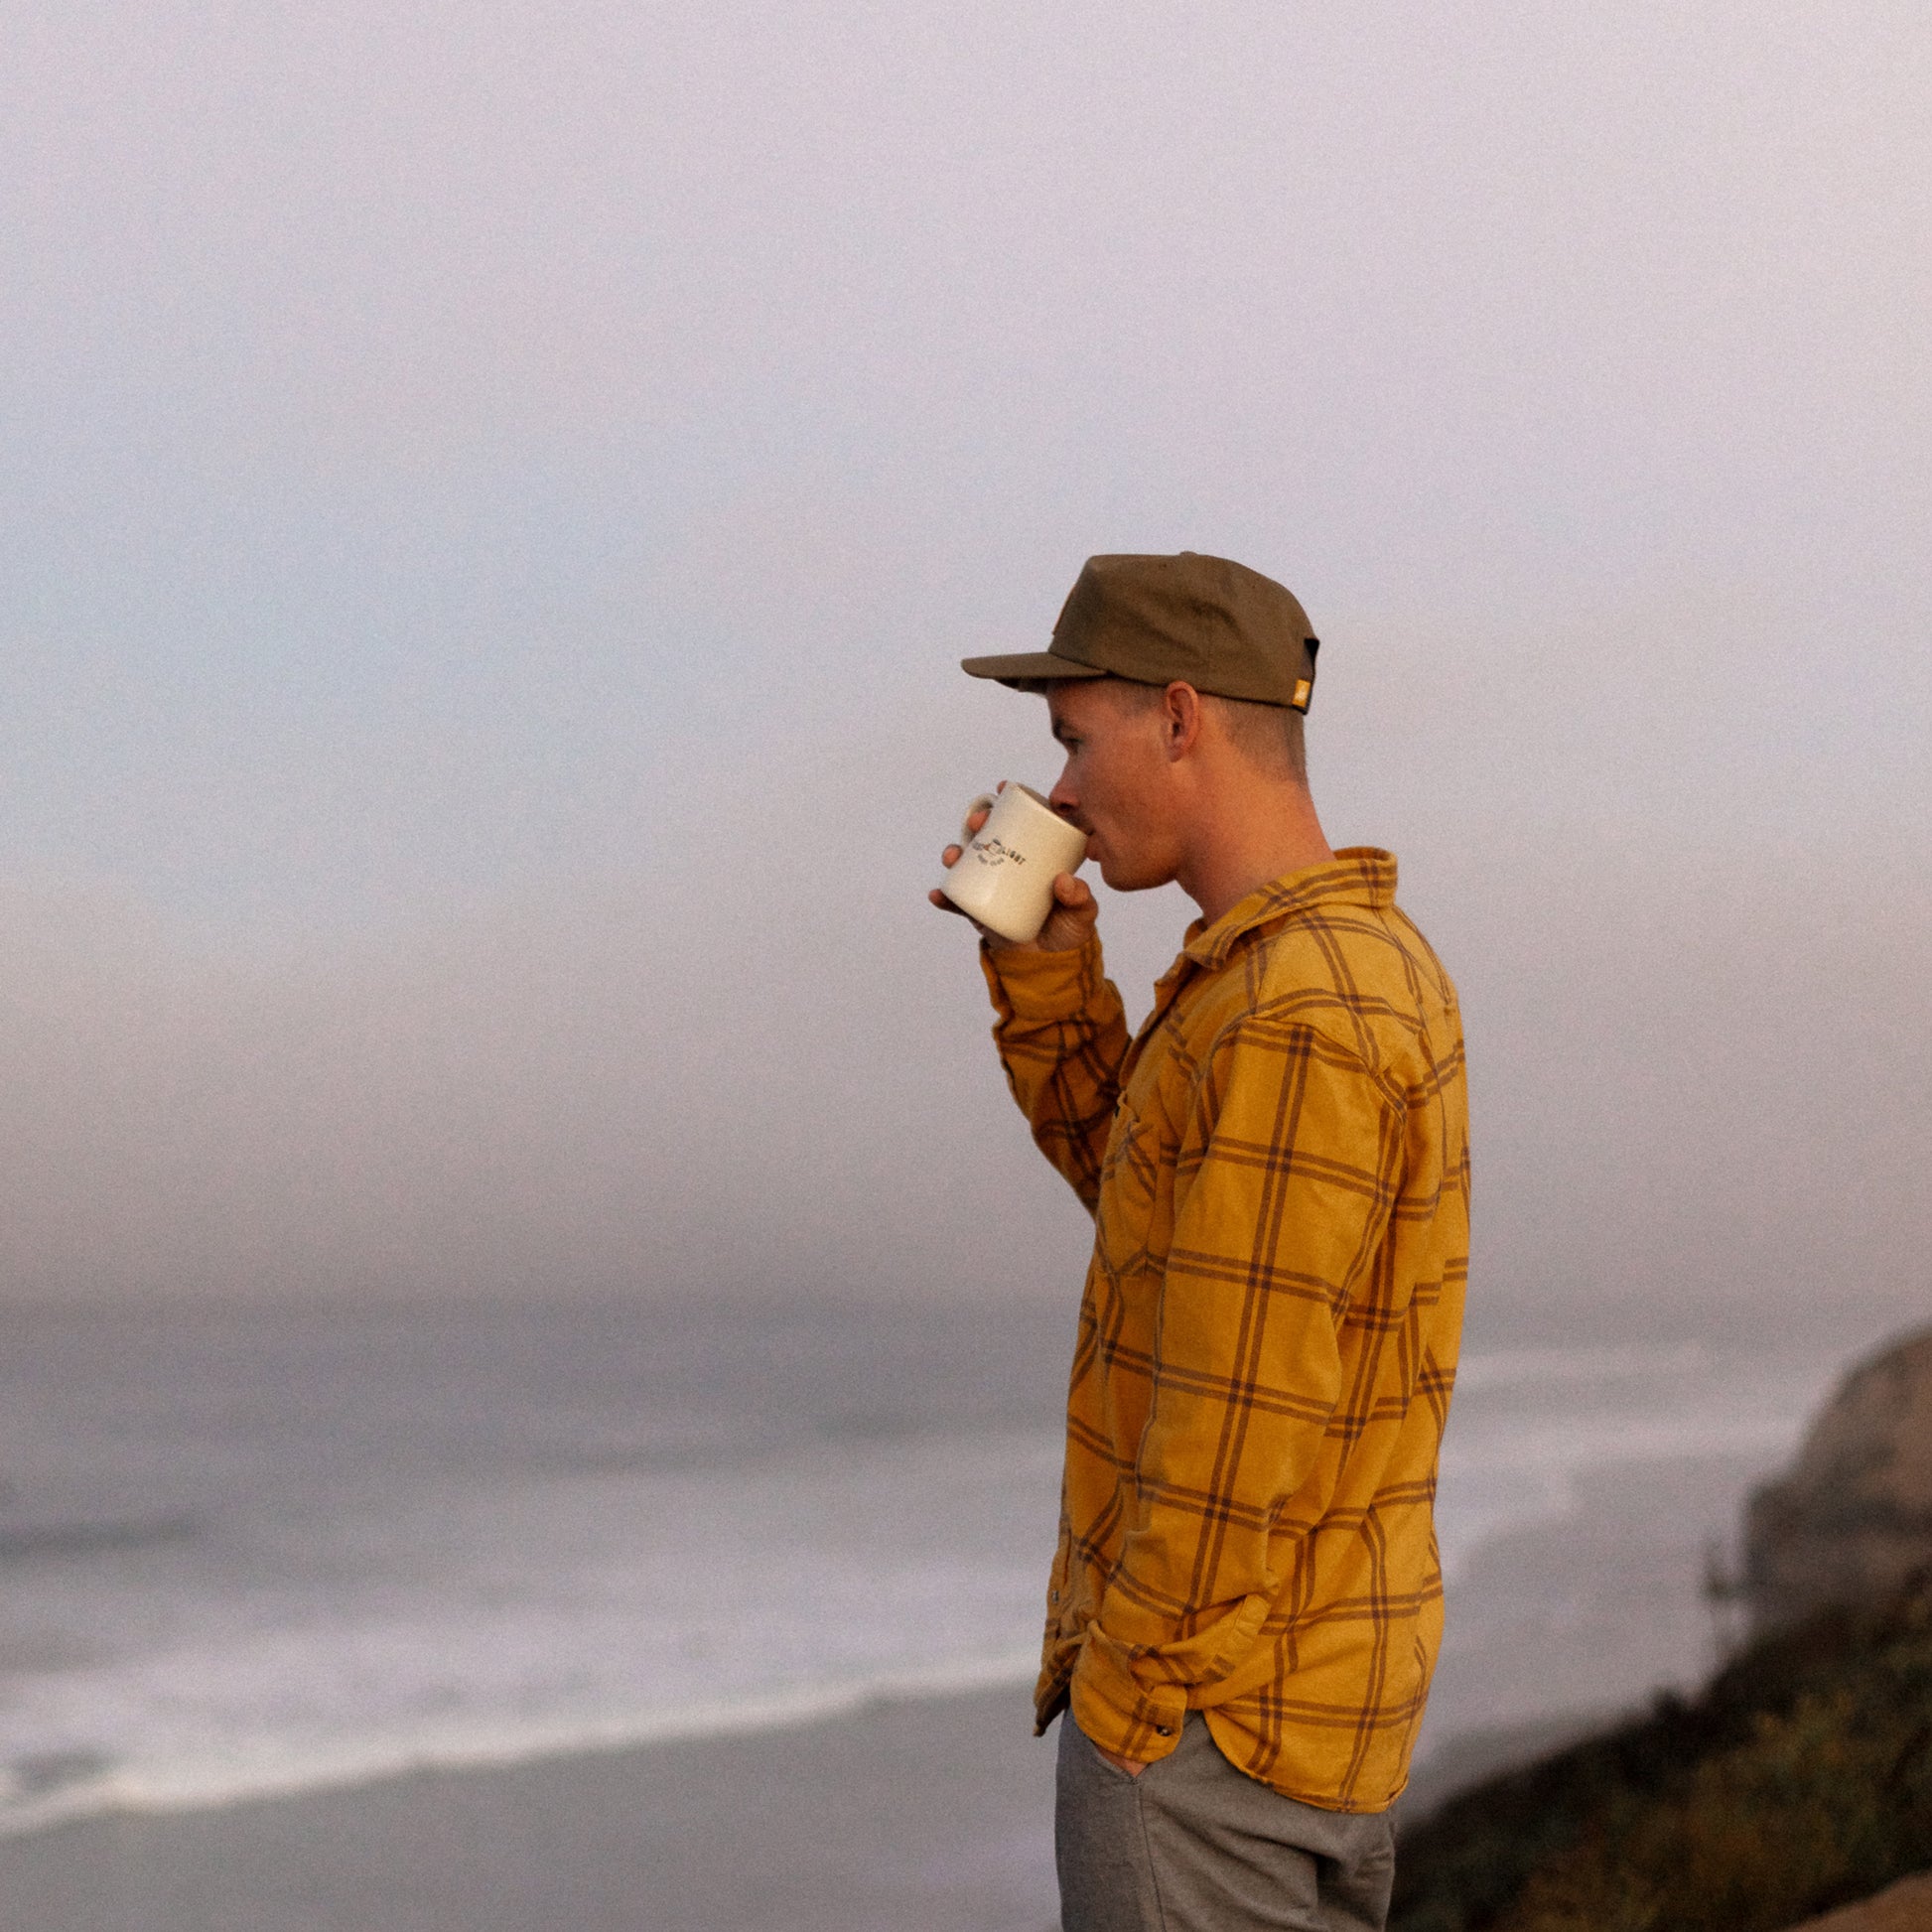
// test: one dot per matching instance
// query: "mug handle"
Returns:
(983, 803)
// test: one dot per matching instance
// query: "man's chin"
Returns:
(1120, 878)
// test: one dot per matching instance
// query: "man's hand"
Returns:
(1076, 909)
(1132, 1766)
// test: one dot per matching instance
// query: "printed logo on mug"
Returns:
(1005, 874)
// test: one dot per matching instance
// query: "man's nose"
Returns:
(1063, 798)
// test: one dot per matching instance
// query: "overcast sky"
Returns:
(495, 496)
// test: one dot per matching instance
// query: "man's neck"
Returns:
(1253, 840)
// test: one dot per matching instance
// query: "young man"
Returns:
(1246, 1604)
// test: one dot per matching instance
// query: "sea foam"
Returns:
(483, 1584)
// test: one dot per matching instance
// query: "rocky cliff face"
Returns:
(1851, 1521)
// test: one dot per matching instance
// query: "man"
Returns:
(1246, 1604)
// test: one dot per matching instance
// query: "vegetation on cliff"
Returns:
(1800, 1779)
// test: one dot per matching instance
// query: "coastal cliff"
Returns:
(1797, 1782)
(1851, 1523)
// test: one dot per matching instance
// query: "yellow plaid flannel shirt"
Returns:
(1278, 1171)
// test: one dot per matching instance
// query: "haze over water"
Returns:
(493, 503)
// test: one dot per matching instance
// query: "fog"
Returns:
(494, 500)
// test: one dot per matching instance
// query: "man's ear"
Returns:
(1183, 720)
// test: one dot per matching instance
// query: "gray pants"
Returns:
(1195, 1846)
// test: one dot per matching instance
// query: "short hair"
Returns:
(1269, 735)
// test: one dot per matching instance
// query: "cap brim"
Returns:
(1028, 667)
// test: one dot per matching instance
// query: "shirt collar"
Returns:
(1358, 875)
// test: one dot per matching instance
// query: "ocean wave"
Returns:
(468, 1623)
(35, 1795)
(465, 1627)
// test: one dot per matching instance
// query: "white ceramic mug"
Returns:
(1004, 877)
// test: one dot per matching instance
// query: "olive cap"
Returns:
(1201, 620)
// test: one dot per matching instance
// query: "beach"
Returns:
(929, 1813)
(933, 1812)
(578, 1617)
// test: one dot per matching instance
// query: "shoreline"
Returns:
(902, 1804)
(476, 1752)
(933, 1811)
(930, 1810)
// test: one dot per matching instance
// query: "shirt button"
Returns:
(1164, 1731)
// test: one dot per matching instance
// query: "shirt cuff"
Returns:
(1115, 1711)
(1028, 984)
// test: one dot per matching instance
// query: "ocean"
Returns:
(255, 1551)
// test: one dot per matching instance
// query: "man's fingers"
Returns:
(1069, 921)
(952, 854)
